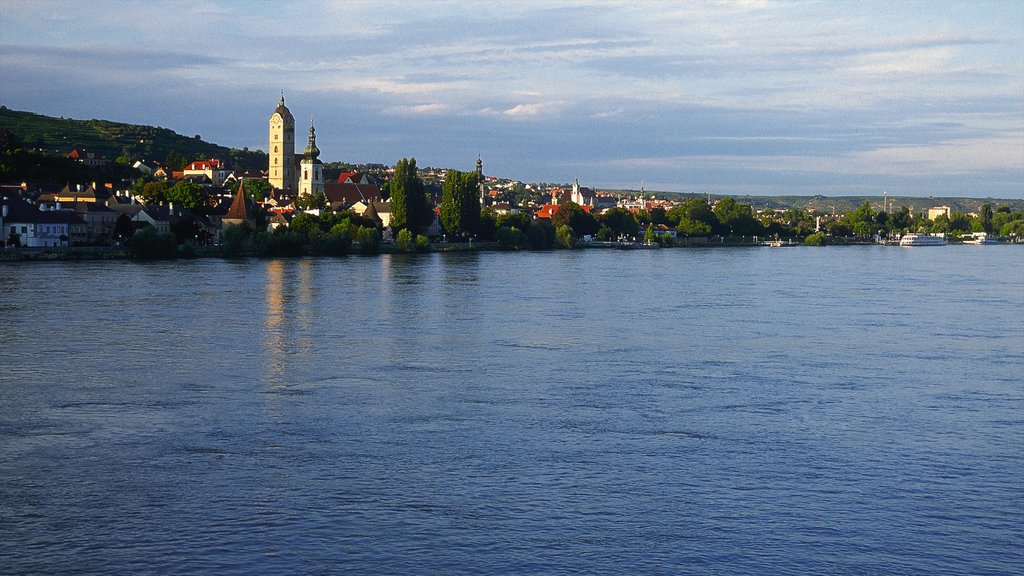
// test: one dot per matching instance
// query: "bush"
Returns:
(234, 240)
(368, 239)
(816, 239)
(333, 243)
(422, 243)
(565, 236)
(149, 244)
(540, 235)
(405, 240)
(511, 238)
(280, 242)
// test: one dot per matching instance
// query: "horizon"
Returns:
(917, 99)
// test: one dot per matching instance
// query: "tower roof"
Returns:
(312, 152)
(282, 109)
(239, 207)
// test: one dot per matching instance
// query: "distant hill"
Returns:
(842, 204)
(58, 136)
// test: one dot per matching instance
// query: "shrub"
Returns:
(149, 244)
(565, 236)
(368, 239)
(511, 238)
(405, 240)
(816, 239)
(540, 235)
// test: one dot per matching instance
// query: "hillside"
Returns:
(58, 136)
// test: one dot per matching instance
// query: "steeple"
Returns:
(311, 169)
(312, 152)
(480, 180)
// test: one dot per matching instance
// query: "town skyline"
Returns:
(919, 99)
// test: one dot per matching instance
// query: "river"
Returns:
(839, 410)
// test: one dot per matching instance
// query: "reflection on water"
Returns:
(274, 355)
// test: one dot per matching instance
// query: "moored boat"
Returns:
(923, 240)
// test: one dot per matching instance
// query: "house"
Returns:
(42, 226)
(374, 210)
(343, 195)
(353, 178)
(212, 169)
(100, 220)
(87, 158)
(934, 213)
(73, 194)
(158, 217)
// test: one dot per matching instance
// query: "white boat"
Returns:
(978, 238)
(923, 240)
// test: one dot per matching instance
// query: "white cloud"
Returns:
(432, 109)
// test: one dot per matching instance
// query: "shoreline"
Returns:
(77, 253)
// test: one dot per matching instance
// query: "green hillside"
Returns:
(58, 136)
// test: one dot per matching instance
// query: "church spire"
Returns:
(312, 152)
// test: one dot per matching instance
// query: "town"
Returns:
(290, 207)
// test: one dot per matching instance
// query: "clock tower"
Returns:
(281, 173)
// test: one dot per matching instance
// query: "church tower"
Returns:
(311, 169)
(480, 181)
(281, 173)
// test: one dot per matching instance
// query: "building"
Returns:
(213, 169)
(240, 211)
(87, 158)
(42, 226)
(311, 169)
(281, 174)
(934, 213)
(582, 196)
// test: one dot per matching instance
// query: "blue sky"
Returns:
(747, 97)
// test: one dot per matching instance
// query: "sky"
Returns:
(747, 97)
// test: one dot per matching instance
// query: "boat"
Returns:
(978, 238)
(923, 240)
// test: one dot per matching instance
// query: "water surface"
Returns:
(848, 410)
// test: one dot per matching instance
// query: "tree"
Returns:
(565, 236)
(409, 206)
(175, 161)
(693, 217)
(649, 237)
(540, 235)
(900, 219)
(155, 192)
(257, 189)
(189, 195)
(368, 238)
(619, 222)
(574, 216)
(316, 201)
(735, 218)
(460, 203)
(510, 238)
(405, 240)
(123, 228)
(520, 220)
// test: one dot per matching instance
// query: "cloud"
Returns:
(432, 109)
(533, 110)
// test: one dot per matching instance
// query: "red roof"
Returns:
(546, 211)
(211, 164)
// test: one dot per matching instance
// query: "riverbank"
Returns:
(50, 253)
